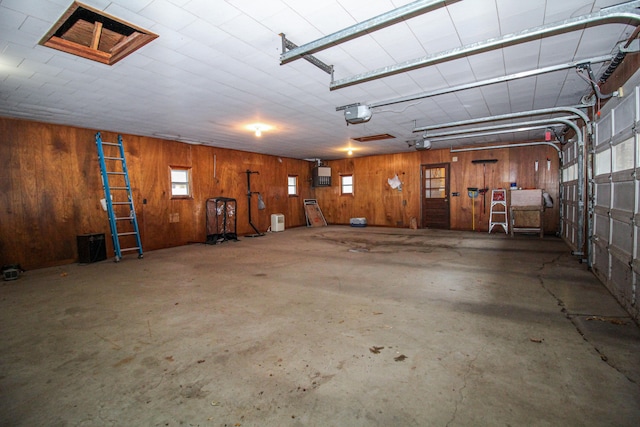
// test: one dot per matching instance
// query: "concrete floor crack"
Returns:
(571, 317)
(464, 385)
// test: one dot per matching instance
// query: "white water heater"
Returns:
(277, 222)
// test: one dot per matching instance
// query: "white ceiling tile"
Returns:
(559, 49)
(475, 20)
(36, 27)
(216, 66)
(203, 32)
(168, 14)
(214, 12)
(259, 10)
(596, 41)
(133, 5)
(435, 31)
(45, 10)
(129, 15)
(11, 19)
(560, 10)
(488, 65)
(519, 15)
(456, 72)
(36, 54)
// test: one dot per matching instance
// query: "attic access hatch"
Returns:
(92, 34)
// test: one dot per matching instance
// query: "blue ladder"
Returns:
(116, 181)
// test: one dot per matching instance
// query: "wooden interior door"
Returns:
(435, 196)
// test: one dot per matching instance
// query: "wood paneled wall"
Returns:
(50, 190)
(375, 200)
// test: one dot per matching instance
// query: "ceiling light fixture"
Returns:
(258, 128)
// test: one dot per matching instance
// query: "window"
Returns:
(346, 184)
(180, 182)
(292, 185)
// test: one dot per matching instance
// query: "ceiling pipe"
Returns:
(501, 79)
(624, 13)
(573, 110)
(490, 133)
(376, 23)
(460, 133)
(493, 147)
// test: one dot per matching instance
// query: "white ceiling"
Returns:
(216, 68)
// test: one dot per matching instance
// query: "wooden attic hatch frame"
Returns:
(92, 34)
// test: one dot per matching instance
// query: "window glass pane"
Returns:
(180, 182)
(623, 155)
(435, 193)
(179, 189)
(179, 175)
(603, 162)
(292, 184)
(437, 183)
(346, 182)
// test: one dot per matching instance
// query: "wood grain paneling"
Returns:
(50, 190)
(375, 200)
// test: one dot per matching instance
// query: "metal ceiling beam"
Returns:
(501, 79)
(288, 45)
(573, 110)
(624, 13)
(381, 21)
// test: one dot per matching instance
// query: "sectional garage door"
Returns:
(615, 188)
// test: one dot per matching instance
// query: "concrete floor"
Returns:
(332, 326)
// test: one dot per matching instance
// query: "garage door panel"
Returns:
(601, 261)
(603, 194)
(603, 162)
(622, 157)
(623, 196)
(625, 115)
(604, 130)
(621, 277)
(601, 227)
(622, 237)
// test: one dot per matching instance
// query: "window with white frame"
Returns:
(292, 185)
(346, 184)
(180, 182)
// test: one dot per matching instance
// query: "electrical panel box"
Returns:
(321, 176)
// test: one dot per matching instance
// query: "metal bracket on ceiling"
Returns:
(624, 13)
(289, 45)
(392, 17)
(344, 107)
(631, 47)
(590, 78)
